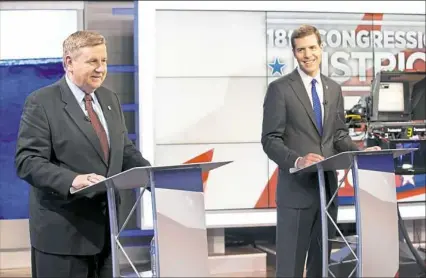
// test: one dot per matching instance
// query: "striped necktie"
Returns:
(97, 126)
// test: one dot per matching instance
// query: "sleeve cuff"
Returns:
(295, 163)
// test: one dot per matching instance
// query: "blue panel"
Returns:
(136, 233)
(404, 185)
(18, 79)
(121, 68)
(382, 163)
(136, 60)
(345, 200)
(123, 11)
(27, 62)
(186, 179)
(17, 62)
(129, 107)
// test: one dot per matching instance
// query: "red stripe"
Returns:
(204, 157)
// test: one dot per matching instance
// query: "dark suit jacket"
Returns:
(418, 100)
(55, 144)
(289, 131)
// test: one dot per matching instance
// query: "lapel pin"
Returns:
(109, 107)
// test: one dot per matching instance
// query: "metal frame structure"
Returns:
(167, 184)
(376, 165)
(326, 216)
(115, 233)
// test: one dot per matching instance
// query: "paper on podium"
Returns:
(343, 160)
(139, 176)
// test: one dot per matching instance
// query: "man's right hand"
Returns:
(308, 159)
(85, 180)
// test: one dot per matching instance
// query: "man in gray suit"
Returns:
(303, 122)
(72, 134)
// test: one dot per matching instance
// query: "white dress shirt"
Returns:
(307, 82)
(306, 79)
(79, 96)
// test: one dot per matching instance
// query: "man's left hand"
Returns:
(374, 148)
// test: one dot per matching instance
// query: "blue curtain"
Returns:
(18, 78)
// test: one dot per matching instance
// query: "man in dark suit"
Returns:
(303, 123)
(418, 100)
(72, 134)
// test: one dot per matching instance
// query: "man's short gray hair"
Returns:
(81, 39)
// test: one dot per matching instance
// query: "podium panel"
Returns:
(179, 221)
(178, 212)
(377, 211)
(377, 252)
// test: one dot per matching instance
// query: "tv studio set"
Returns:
(212, 139)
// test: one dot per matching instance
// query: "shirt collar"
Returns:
(77, 92)
(308, 79)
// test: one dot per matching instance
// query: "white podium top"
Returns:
(344, 160)
(139, 176)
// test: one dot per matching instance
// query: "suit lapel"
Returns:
(73, 109)
(327, 99)
(105, 103)
(299, 89)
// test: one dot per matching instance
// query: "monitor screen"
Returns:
(391, 97)
(411, 163)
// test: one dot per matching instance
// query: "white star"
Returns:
(408, 179)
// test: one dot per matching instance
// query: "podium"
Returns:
(178, 215)
(377, 241)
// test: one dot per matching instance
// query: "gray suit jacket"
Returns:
(55, 144)
(289, 131)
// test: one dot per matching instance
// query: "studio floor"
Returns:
(16, 272)
(26, 272)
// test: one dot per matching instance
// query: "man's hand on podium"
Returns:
(308, 159)
(374, 148)
(85, 180)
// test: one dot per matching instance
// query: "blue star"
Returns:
(277, 67)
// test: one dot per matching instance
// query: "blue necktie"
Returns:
(316, 105)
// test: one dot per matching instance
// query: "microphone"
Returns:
(86, 118)
(324, 102)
